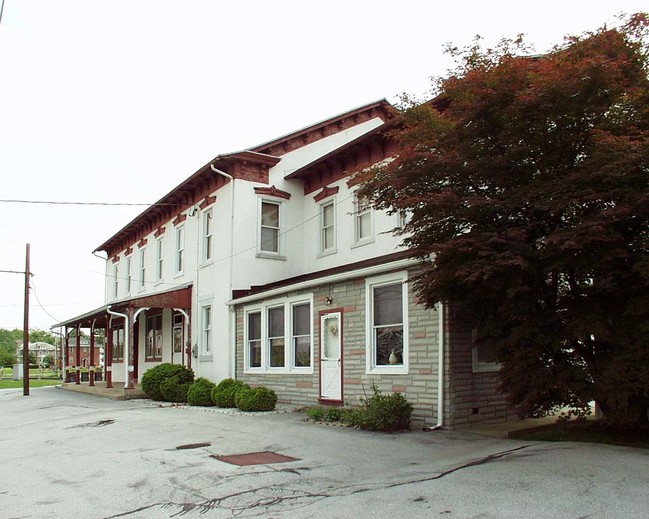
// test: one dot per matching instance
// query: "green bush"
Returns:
(333, 414)
(200, 392)
(256, 399)
(385, 412)
(173, 390)
(315, 413)
(225, 392)
(153, 377)
(354, 417)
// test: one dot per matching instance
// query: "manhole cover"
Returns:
(254, 458)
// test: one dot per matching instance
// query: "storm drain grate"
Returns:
(254, 458)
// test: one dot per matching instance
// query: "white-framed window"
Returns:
(269, 226)
(116, 281)
(387, 324)
(327, 228)
(208, 234)
(206, 329)
(484, 354)
(142, 268)
(180, 249)
(278, 336)
(129, 274)
(253, 342)
(363, 226)
(159, 247)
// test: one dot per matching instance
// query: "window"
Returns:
(180, 248)
(279, 336)
(129, 274)
(301, 335)
(116, 281)
(118, 343)
(327, 228)
(206, 323)
(276, 341)
(153, 349)
(269, 229)
(208, 231)
(484, 354)
(178, 332)
(142, 267)
(159, 260)
(387, 324)
(362, 220)
(254, 339)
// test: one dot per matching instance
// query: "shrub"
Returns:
(354, 417)
(333, 414)
(200, 392)
(225, 393)
(256, 399)
(385, 412)
(315, 413)
(153, 377)
(173, 390)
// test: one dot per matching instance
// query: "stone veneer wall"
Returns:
(472, 397)
(419, 386)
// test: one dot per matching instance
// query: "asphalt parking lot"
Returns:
(68, 454)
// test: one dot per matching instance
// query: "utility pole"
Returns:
(26, 328)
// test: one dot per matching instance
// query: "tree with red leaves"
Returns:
(527, 184)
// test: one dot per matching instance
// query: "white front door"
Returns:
(177, 339)
(330, 356)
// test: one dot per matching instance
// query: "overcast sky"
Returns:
(119, 101)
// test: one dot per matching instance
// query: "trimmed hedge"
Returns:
(200, 392)
(225, 393)
(173, 390)
(256, 399)
(153, 377)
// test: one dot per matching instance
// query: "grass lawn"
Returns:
(594, 431)
(8, 384)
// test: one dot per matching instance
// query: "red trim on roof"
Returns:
(209, 200)
(179, 219)
(326, 191)
(142, 243)
(159, 231)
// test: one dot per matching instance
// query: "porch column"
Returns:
(66, 356)
(130, 361)
(188, 348)
(108, 359)
(91, 373)
(78, 355)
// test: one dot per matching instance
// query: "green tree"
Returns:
(527, 181)
(7, 358)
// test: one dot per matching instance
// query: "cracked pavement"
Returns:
(68, 453)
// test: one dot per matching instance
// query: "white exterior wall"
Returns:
(237, 264)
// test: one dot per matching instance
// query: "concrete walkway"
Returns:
(117, 392)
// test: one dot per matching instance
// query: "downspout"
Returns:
(232, 323)
(441, 333)
(126, 345)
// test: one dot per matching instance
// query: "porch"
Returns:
(118, 392)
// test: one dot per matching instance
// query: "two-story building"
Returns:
(265, 266)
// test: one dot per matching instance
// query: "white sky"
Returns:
(121, 100)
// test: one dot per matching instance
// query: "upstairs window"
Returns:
(362, 221)
(129, 274)
(269, 227)
(206, 335)
(159, 260)
(142, 267)
(116, 281)
(327, 228)
(180, 249)
(208, 231)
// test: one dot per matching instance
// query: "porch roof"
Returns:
(176, 297)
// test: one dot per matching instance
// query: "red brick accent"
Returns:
(420, 335)
(179, 219)
(159, 231)
(273, 191)
(398, 389)
(427, 371)
(327, 191)
(349, 308)
(209, 200)
(304, 384)
(353, 381)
